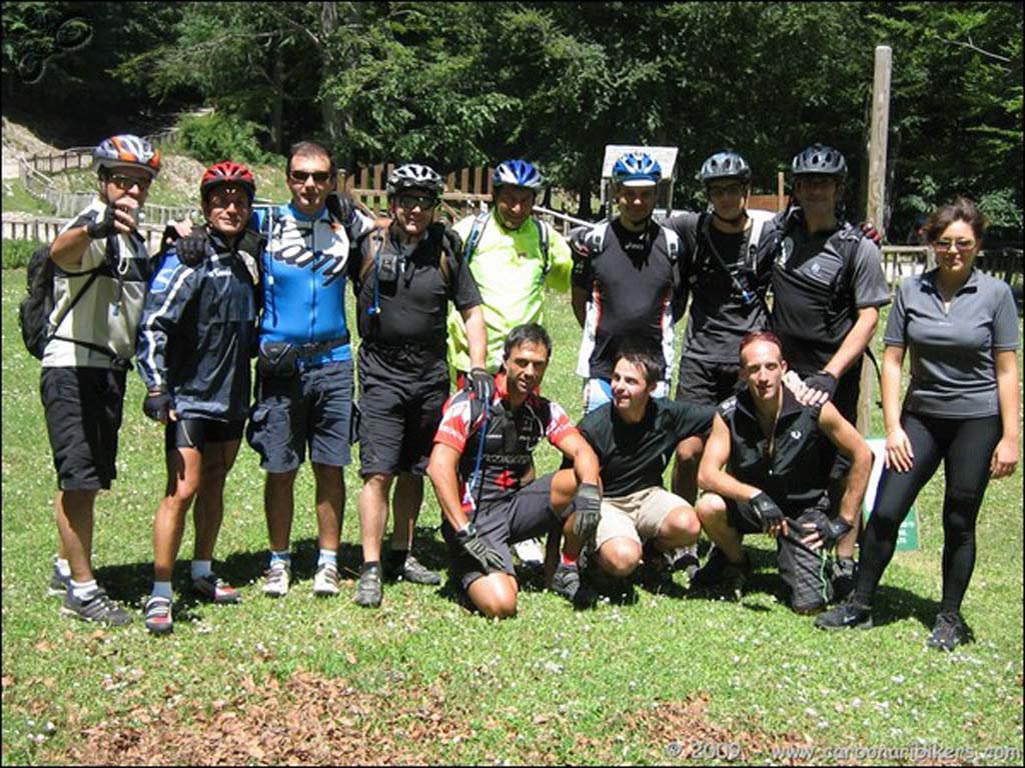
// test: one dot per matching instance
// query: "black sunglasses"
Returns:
(301, 176)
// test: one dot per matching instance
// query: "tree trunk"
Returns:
(584, 207)
(329, 115)
(277, 133)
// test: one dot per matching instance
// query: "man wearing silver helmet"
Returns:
(101, 271)
(404, 277)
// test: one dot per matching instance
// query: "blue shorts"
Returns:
(312, 408)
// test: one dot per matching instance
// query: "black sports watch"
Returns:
(467, 531)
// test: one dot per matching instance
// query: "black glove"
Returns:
(486, 556)
(871, 232)
(768, 510)
(831, 531)
(340, 207)
(824, 381)
(588, 510)
(104, 227)
(192, 248)
(157, 405)
(483, 385)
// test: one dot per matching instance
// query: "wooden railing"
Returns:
(465, 189)
(44, 229)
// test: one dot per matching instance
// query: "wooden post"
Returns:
(779, 191)
(876, 194)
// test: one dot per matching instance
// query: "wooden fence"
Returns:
(75, 158)
(465, 189)
(44, 229)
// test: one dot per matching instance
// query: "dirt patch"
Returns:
(18, 142)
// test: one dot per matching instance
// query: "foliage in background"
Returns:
(16, 254)
(216, 137)
(456, 83)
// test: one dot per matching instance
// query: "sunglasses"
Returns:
(409, 202)
(962, 245)
(125, 183)
(300, 177)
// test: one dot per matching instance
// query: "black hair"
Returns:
(962, 209)
(528, 332)
(310, 149)
(645, 358)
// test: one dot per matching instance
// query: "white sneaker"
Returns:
(276, 580)
(325, 583)
(530, 552)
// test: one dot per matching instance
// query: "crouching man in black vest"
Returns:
(765, 472)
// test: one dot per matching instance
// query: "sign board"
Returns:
(666, 159)
(907, 535)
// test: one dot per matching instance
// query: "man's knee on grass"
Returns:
(494, 595)
(619, 556)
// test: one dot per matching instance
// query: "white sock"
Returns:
(83, 590)
(162, 589)
(328, 556)
(63, 568)
(282, 559)
(201, 568)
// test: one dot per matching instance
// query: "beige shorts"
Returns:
(636, 516)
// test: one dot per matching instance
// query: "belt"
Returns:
(314, 348)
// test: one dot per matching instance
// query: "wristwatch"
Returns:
(467, 531)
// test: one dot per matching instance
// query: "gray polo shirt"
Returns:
(953, 371)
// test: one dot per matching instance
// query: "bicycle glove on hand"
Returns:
(483, 384)
(822, 381)
(831, 531)
(768, 510)
(102, 228)
(588, 510)
(486, 556)
(191, 249)
(157, 405)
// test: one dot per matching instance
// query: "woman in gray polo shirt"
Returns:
(961, 408)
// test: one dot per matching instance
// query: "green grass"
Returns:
(552, 685)
(17, 198)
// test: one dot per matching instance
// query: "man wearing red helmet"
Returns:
(102, 269)
(196, 336)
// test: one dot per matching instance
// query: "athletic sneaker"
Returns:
(368, 589)
(415, 572)
(566, 581)
(59, 585)
(530, 553)
(325, 583)
(686, 559)
(215, 589)
(659, 564)
(845, 577)
(719, 573)
(99, 608)
(276, 580)
(158, 615)
(846, 615)
(948, 632)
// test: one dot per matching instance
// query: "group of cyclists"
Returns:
(761, 421)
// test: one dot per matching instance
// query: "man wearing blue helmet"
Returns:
(512, 257)
(625, 282)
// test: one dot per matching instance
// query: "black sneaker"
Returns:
(413, 571)
(566, 581)
(720, 574)
(848, 614)
(686, 560)
(845, 578)
(368, 589)
(59, 585)
(948, 632)
(99, 609)
(659, 564)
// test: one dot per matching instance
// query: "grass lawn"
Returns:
(665, 679)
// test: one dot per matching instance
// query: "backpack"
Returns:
(35, 309)
(378, 236)
(703, 245)
(477, 230)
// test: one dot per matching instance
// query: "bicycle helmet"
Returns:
(414, 176)
(227, 172)
(819, 159)
(517, 173)
(127, 150)
(725, 165)
(636, 169)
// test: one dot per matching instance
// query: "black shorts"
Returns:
(527, 515)
(806, 574)
(398, 418)
(313, 408)
(707, 383)
(196, 433)
(83, 408)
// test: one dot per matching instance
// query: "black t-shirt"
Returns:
(819, 282)
(631, 285)
(795, 472)
(414, 305)
(727, 285)
(634, 456)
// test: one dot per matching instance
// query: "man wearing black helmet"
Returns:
(404, 277)
(828, 285)
(101, 272)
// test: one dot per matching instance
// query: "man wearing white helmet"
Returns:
(102, 270)
(513, 257)
(404, 277)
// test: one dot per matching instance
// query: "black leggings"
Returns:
(965, 446)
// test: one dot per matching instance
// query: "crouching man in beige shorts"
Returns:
(634, 437)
